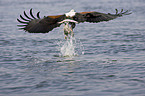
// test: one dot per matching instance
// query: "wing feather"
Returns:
(95, 17)
(37, 25)
(32, 13)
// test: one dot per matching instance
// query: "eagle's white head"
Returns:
(71, 13)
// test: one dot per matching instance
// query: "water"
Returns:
(113, 63)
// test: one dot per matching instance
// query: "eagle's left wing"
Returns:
(96, 17)
(39, 25)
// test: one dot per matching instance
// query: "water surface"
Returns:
(113, 63)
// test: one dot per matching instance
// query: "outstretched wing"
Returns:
(96, 17)
(38, 25)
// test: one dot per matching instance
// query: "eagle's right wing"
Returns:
(38, 25)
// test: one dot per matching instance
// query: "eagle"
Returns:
(35, 24)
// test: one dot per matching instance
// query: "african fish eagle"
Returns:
(47, 23)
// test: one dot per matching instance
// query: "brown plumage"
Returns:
(44, 25)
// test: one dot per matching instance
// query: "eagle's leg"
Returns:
(68, 30)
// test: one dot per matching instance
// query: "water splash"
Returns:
(71, 47)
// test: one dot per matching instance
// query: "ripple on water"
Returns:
(104, 59)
